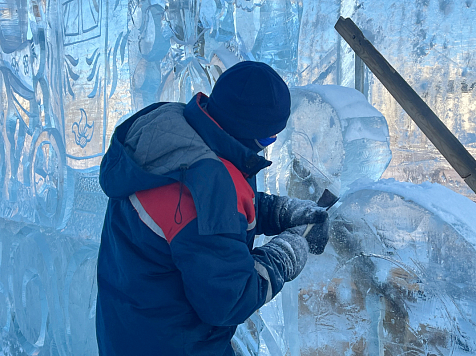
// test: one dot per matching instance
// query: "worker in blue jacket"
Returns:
(177, 271)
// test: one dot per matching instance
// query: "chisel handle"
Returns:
(308, 228)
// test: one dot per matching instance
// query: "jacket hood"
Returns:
(148, 149)
(172, 142)
(161, 141)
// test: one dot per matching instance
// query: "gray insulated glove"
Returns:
(293, 249)
(296, 212)
(276, 213)
(317, 236)
(281, 213)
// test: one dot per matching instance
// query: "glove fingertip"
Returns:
(316, 250)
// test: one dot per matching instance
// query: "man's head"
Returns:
(250, 101)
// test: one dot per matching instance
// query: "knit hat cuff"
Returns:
(244, 123)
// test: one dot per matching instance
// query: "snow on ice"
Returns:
(399, 273)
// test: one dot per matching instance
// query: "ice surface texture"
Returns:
(398, 277)
(70, 71)
(333, 138)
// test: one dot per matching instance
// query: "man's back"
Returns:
(144, 307)
(177, 271)
(141, 295)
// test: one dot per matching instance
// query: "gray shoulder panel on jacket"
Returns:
(162, 140)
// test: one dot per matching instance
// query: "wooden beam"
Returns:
(359, 82)
(436, 131)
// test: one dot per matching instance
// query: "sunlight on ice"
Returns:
(398, 276)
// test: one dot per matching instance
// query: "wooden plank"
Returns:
(436, 131)
(359, 75)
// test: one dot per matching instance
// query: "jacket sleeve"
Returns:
(278, 213)
(225, 282)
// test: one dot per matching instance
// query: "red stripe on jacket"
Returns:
(244, 192)
(161, 203)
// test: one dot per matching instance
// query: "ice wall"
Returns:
(431, 44)
(333, 138)
(398, 276)
(71, 70)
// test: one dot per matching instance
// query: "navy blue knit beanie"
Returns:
(250, 101)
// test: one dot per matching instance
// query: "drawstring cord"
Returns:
(183, 169)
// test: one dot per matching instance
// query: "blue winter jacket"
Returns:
(177, 271)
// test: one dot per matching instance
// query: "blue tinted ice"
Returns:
(365, 134)
(334, 137)
(398, 275)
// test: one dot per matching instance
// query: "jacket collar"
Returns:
(219, 141)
